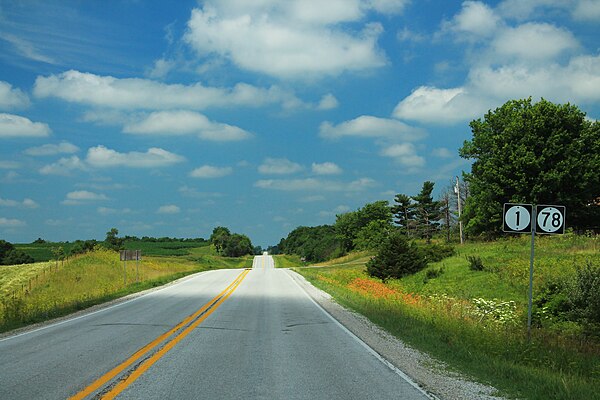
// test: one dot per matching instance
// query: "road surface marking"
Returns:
(202, 313)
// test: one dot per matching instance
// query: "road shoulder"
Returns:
(431, 375)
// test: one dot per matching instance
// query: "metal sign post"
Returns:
(128, 255)
(525, 218)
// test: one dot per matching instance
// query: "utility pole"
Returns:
(460, 227)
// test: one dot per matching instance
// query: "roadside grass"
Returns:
(445, 314)
(287, 261)
(33, 293)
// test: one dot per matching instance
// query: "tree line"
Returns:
(522, 152)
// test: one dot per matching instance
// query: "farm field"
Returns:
(36, 292)
(475, 321)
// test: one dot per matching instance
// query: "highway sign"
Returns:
(550, 219)
(517, 218)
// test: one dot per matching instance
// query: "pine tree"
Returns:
(427, 211)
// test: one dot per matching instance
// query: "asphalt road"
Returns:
(226, 334)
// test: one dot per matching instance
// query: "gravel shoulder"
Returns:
(431, 375)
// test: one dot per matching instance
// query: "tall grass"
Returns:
(475, 320)
(86, 280)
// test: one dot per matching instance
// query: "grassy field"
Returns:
(476, 320)
(36, 292)
(43, 251)
(287, 261)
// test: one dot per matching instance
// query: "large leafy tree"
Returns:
(219, 237)
(540, 153)
(349, 225)
(112, 241)
(315, 244)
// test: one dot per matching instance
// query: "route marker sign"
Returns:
(517, 218)
(525, 218)
(550, 219)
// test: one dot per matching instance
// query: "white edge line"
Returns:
(51, 325)
(362, 343)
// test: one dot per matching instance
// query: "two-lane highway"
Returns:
(225, 334)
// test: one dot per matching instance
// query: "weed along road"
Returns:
(223, 334)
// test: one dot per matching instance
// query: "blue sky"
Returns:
(171, 118)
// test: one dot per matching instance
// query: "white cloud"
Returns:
(209, 172)
(475, 21)
(373, 127)
(12, 98)
(64, 166)
(442, 152)
(405, 154)
(533, 41)
(113, 211)
(9, 164)
(439, 106)
(26, 203)
(101, 157)
(182, 122)
(326, 168)
(169, 209)
(328, 102)
(79, 197)
(136, 93)
(587, 10)
(16, 126)
(11, 223)
(279, 166)
(291, 38)
(577, 82)
(26, 48)
(161, 68)
(312, 184)
(341, 209)
(52, 149)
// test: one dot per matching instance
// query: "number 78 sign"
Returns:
(547, 219)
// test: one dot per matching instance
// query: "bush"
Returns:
(433, 273)
(16, 257)
(475, 263)
(585, 295)
(437, 252)
(396, 258)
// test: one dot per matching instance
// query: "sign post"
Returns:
(128, 255)
(525, 218)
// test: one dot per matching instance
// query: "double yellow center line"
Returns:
(184, 328)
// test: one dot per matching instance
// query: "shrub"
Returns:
(433, 273)
(437, 252)
(396, 258)
(16, 257)
(475, 263)
(585, 294)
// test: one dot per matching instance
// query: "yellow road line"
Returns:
(138, 354)
(149, 362)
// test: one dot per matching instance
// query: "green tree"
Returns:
(404, 212)
(318, 243)
(373, 235)
(219, 237)
(427, 211)
(540, 153)
(396, 258)
(348, 225)
(237, 245)
(112, 241)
